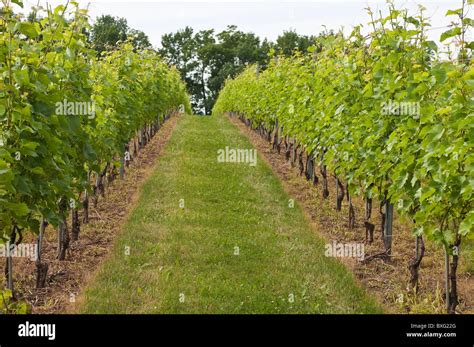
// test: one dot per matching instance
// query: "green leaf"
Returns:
(28, 29)
(18, 2)
(450, 33)
(30, 145)
(19, 209)
(437, 132)
(413, 20)
(38, 170)
(454, 12)
(439, 72)
(22, 76)
(468, 22)
(467, 225)
(432, 45)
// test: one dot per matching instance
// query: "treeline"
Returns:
(206, 59)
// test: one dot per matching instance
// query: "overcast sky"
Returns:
(264, 18)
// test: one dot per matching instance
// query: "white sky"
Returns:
(264, 18)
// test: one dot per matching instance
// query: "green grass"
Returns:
(190, 251)
(467, 256)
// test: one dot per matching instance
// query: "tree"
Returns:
(290, 41)
(234, 50)
(205, 59)
(108, 31)
(189, 52)
(139, 39)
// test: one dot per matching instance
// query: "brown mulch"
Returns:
(67, 278)
(386, 279)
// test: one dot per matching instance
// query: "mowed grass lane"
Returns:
(235, 247)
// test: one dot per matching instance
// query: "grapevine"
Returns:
(390, 114)
(51, 157)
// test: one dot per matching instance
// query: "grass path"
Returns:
(183, 260)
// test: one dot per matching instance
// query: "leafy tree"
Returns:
(108, 31)
(205, 59)
(234, 50)
(205, 42)
(290, 41)
(191, 54)
(139, 39)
